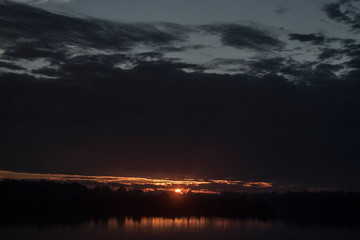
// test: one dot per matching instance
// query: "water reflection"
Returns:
(190, 224)
(159, 228)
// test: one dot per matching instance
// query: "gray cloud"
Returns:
(330, 53)
(11, 66)
(345, 11)
(313, 38)
(240, 36)
(45, 33)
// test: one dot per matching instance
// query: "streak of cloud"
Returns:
(147, 184)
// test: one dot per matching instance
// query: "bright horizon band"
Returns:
(144, 183)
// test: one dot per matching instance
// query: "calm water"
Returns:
(178, 228)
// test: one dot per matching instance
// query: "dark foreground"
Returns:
(51, 203)
(189, 228)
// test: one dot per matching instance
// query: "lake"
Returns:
(197, 228)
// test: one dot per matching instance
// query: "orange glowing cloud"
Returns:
(258, 184)
(146, 184)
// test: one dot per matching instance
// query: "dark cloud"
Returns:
(349, 50)
(328, 67)
(227, 64)
(105, 59)
(151, 55)
(241, 36)
(333, 11)
(30, 52)
(352, 51)
(330, 53)
(182, 48)
(309, 72)
(271, 65)
(313, 38)
(35, 33)
(49, 72)
(11, 66)
(354, 63)
(255, 67)
(344, 11)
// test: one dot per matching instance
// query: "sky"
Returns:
(248, 91)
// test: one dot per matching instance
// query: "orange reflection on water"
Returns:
(189, 224)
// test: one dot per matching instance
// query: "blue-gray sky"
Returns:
(264, 91)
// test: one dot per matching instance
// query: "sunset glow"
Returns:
(208, 186)
(178, 190)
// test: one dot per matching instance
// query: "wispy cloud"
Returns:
(148, 184)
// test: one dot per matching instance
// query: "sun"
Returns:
(178, 190)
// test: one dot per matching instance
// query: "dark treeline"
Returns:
(53, 201)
